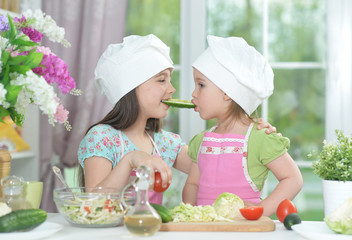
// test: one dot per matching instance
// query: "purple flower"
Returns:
(4, 23)
(33, 34)
(54, 69)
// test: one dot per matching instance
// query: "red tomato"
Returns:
(158, 183)
(86, 208)
(252, 212)
(285, 208)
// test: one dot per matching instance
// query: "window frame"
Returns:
(338, 113)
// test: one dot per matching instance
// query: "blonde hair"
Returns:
(236, 112)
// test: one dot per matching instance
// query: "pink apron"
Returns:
(154, 197)
(222, 161)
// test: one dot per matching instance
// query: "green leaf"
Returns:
(3, 113)
(12, 93)
(5, 78)
(34, 59)
(4, 57)
(17, 60)
(12, 29)
(23, 42)
(20, 69)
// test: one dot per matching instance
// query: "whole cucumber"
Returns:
(22, 220)
(163, 212)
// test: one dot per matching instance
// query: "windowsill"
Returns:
(22, 155)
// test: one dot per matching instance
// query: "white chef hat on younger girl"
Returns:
(237, 69)
(123, 67)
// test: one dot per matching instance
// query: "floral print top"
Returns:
(103, 141)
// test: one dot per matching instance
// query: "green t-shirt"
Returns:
(262, 149)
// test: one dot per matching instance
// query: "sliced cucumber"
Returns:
(179, 103)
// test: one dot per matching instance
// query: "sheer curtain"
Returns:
(339, 78)
(90, 26)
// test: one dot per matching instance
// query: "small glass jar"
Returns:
(12, 192)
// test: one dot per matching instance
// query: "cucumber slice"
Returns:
(179, 103)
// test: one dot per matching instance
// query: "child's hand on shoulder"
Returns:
(269, 129)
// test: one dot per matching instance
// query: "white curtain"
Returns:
(90, 26)
(339, 65)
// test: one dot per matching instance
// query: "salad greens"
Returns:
(228, 205)
(340, 220)
(92, 211)
(225, 209)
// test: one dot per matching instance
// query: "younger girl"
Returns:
(231, 80)
(135, 76)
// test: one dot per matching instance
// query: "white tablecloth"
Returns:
(70, 232)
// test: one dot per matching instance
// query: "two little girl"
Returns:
(136, 77)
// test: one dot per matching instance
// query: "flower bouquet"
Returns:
(29, 72)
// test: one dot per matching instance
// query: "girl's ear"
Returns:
(226, 97)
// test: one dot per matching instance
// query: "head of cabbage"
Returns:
(228, 205)
(340, 220)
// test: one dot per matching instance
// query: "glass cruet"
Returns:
(141, 218)
(12, 187)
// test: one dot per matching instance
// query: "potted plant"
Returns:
(334, 166)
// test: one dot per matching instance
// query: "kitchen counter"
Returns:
(70, 232)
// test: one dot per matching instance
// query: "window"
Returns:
(161, 18)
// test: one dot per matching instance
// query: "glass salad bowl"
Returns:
(91, 207)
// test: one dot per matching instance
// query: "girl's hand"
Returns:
(269, 129)
(155, 164)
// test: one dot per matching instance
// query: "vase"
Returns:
(335, 193)
(5, 165)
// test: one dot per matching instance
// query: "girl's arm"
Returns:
(190, 191)
(183, 161)
(99, 171)
(290, 182)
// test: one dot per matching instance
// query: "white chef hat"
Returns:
(237, 69)
(123, 67)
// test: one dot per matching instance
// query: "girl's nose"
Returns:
(172, 89)
(194, 93)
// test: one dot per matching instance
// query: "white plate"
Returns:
(43, 230)
(318, 230)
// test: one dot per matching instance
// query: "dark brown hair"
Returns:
(123, 115)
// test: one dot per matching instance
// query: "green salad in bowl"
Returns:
(91, 207)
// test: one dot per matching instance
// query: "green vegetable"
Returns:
(228, 205)
(291, 220)
(179, 103)
(22, 220)
(340, 220)
(188, 213)
(163, 212)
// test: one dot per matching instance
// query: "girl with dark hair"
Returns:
(135, 76)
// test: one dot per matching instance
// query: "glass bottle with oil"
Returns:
(141, 219)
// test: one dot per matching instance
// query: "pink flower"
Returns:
(61, 114)
(54, 69)
(33, 34)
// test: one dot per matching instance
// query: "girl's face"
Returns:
(211, 102)
(152, 92)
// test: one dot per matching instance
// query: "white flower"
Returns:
(46, 25)
(3, 43)
(35, 90)
(3, 92)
